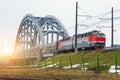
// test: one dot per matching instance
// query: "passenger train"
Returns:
(86, 41)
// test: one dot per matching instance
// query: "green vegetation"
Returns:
(55, 74)
(98, 64)
(102, 59)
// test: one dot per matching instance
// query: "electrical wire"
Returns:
(102, 21)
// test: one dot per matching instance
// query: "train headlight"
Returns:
(100, 32)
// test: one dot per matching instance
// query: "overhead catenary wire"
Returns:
(98, 18)
(101, 19)
(83, 10)
(99, 22)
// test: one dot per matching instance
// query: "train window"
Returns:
(67, 38)
(82, 35)
(94, 32)
(98, 35)
(86, 34)
(74, 36)
(101, 35)
(79, 35)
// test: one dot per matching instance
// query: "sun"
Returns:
(7, 50)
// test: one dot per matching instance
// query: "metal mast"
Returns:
(112, 27)
(76, 26)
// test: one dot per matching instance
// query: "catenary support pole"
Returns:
(76, 26)
(112, 27)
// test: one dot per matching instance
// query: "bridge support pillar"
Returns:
(39, 54)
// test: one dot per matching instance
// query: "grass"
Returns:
(56, 74)
(106, 58)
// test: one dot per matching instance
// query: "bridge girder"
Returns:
(34, 31)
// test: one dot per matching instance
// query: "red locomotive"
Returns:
(90, 40)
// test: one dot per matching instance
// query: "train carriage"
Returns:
(90, 40)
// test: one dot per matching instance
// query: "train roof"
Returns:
(93, 31)
(81, 35)
(87, 33)
(65, 38)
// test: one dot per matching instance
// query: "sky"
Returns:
(13, 11)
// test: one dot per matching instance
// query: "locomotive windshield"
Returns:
(101, 35)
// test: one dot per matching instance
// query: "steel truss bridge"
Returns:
(36, 34)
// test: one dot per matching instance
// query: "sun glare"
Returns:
(6, 49)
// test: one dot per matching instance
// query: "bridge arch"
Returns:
(34, 32)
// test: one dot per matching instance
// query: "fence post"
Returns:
(97, 60)
(115, 63)
(45, 63)
(83, 61)
(98, 68)
(70, 61)
(60, 63)
(53, 61)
